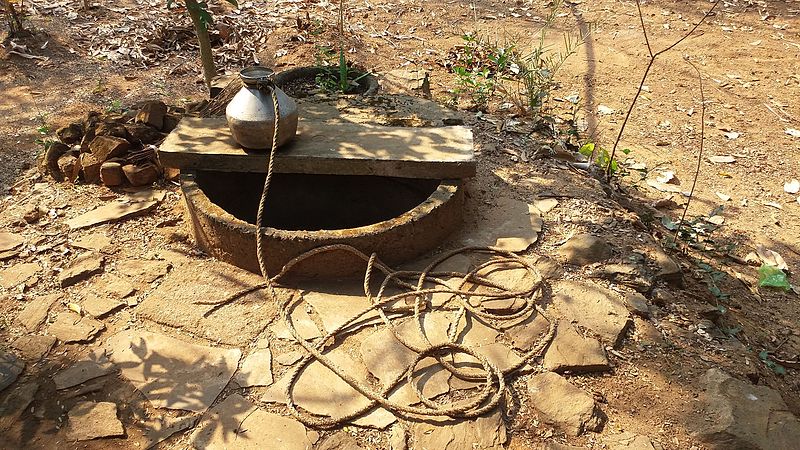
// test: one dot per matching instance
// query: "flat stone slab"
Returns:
(14, 404)
(95, 365)
(482, 433)
(572, 352)
(173, 303)
(510, 225)
(18, 274)
(238, 423)
(172, 373)
(327, 148)
(741, 415)
(89, 420)
(564, 405)
(320, 391)
(595, 307)
(256, 369)
(10, 368)
(70, 327)
(34, 347)
(36, 311)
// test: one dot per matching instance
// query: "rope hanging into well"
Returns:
(492, 380)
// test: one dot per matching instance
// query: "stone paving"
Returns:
(218, 376)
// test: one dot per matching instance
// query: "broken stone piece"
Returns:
(152, 113)
(144, 134)
(82, 268)
(90, 420)
(638, 304)
(70, 167)
(18, 274)
(110, 128)
(111, 173)
(629, 441)
(143, 270)
(340, 441)
(36, 311)
(97, 306)
(34, 347)
(95, 365)
(256, 369)
(104, 148)
(70, 327)
(10, 241)
(669, 270)
(158, 429)
(583, 249)
(110, 212)
(594, 307)
(91, 168)
(564, 405)
(142, 175)
(194, 375)
(569, 351)
(237, 419)
(13, 405)
(10, 368)
(510, 225)
(70, 134)
(482, 433)
(742, 415)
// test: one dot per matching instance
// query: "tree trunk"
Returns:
(14, 24)
(206, 58)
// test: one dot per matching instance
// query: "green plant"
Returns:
(599, 156)
(484, 68)
(43, 129)
(114, 106)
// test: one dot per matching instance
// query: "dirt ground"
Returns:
(748, 54)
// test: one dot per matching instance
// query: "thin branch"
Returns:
(699, 155)
(644, 30)
(653, 57)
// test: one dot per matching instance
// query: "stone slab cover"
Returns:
(327, 148)
(171, 373)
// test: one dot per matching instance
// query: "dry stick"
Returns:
(700, 155)
(653, 57)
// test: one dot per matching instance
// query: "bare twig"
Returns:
(700, 154)
(653, 57)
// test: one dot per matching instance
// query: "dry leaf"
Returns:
(792, 187)
(667, 177)
(773, 205)
(771, 258)
(792, 132)
(716, 220)
(723, 197)
(732, 135)
(725, 159)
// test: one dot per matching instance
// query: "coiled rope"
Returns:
(491, 379)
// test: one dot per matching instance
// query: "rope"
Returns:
(492, 380)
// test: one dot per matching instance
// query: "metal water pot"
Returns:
(251, 114)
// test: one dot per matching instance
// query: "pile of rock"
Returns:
(113, 148)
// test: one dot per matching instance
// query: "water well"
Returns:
(396, 191)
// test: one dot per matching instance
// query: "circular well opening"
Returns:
(302, 202)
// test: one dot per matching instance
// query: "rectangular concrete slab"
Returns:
(327, 148)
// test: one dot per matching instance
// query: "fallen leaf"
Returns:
(723, 197)
(667, 177)
(725, 175)
(605, 110)
(76, 308)
(792, 187)
(716, 220)
(773, 205)
(724, 159)
(732, 135)
(663, 187)
(792, 132)
(771, 258)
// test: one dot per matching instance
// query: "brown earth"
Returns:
(748, 53)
